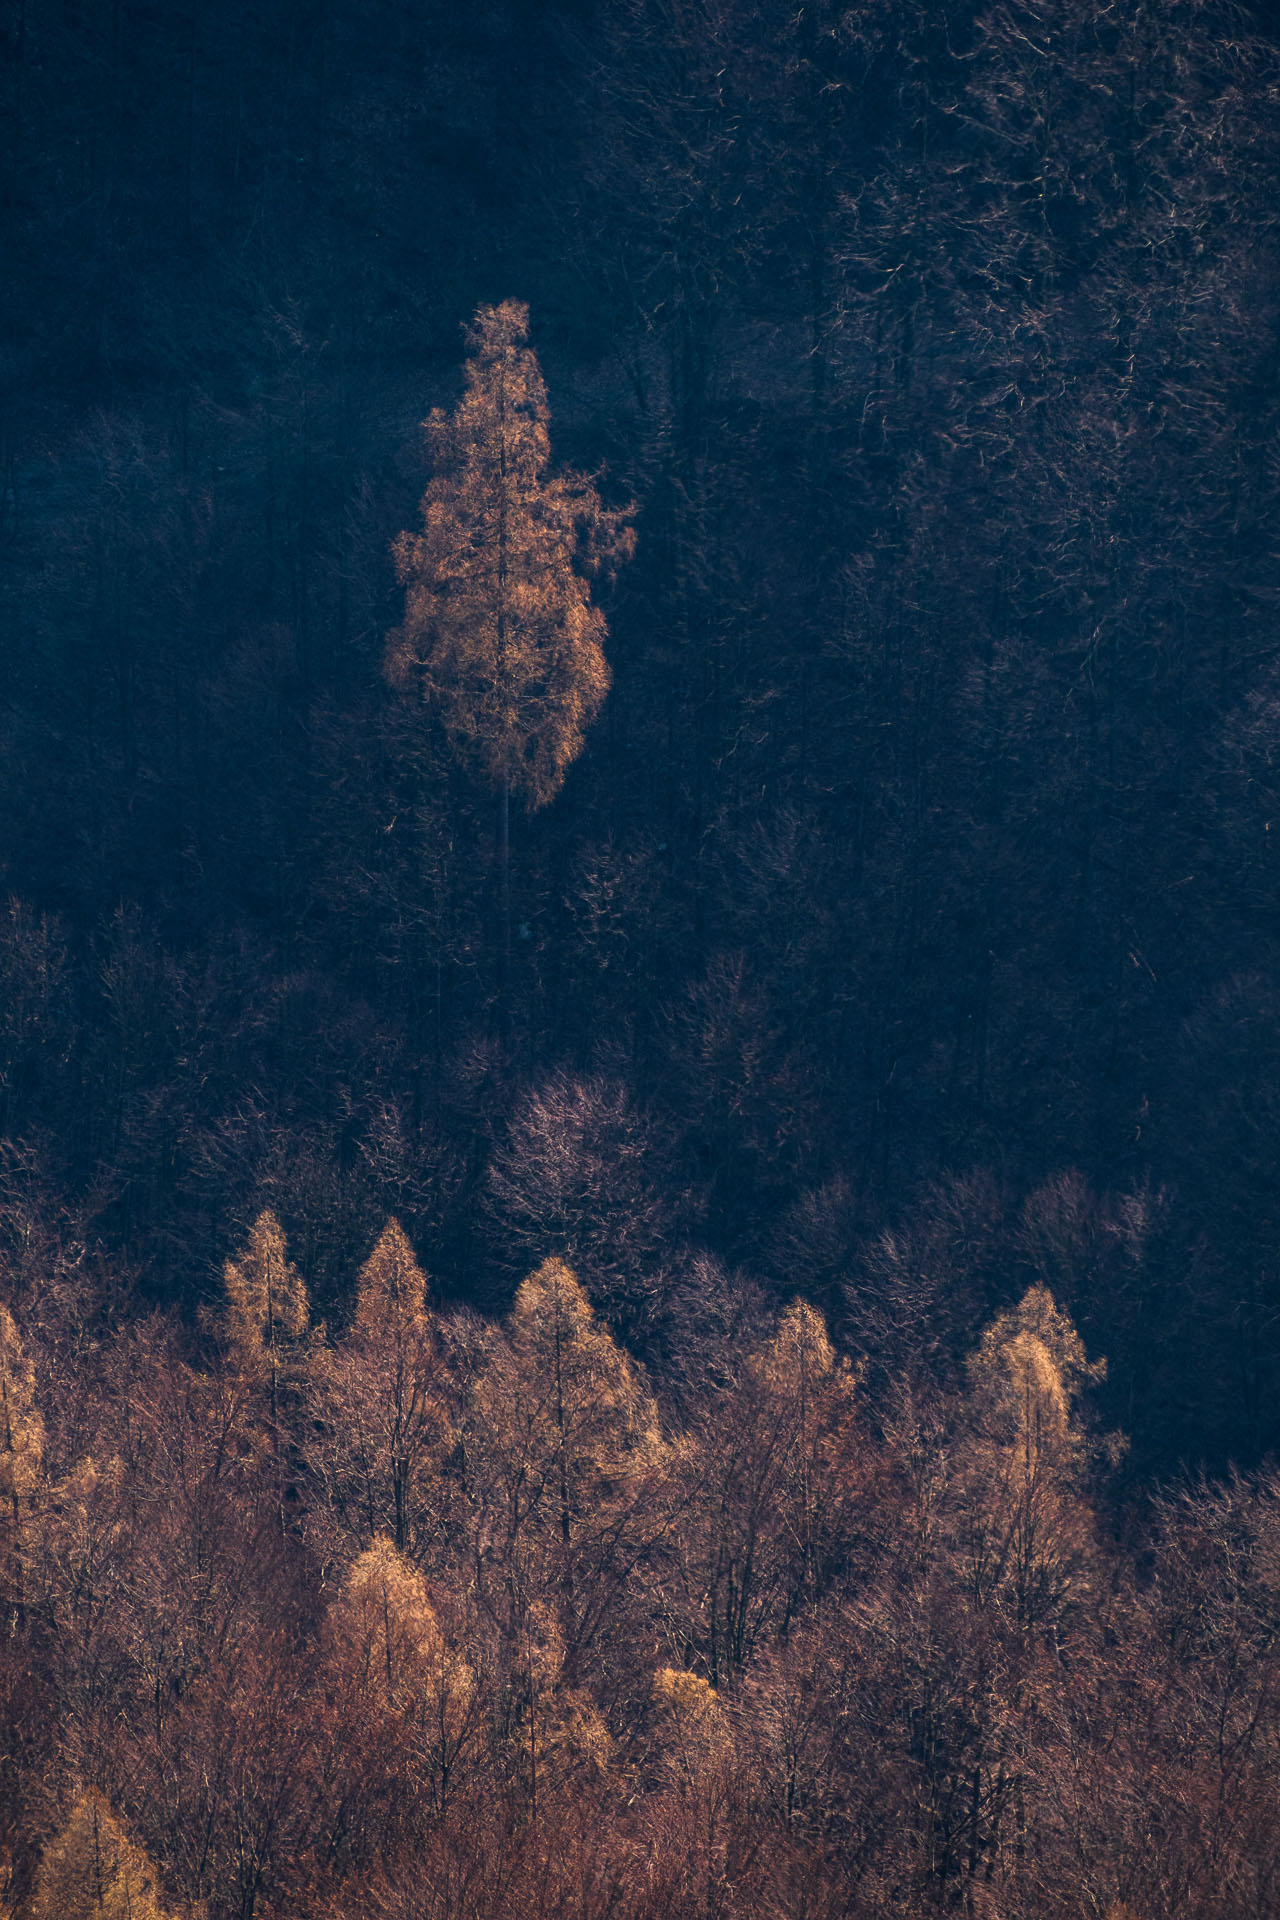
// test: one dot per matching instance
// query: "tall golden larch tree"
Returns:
(21, 1428)
(391, 1293)
(381, 1417)
(395, 1673)
(778, 1473)
(267, 1305)
(499, 634)
(1028, 1522)
(21, 1453)
(567, 1466)
(267, 1320)
(384, 1623)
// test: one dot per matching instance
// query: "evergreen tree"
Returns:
(385, 1640)
(1027, 1524)
(568, 1463)
(777, 1473)
(499, 630)
(385, 1619)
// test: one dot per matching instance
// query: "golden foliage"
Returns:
(392, 1291)
(384, 1632)
(568, 1424)
(800, 1354)
(583, 1384)
(551, 1303)
(499, 633)
(565, 1466)
(94, 1871)
(21, 1427)
(694, 1728)
(385, 1619)
(555, 1730)
(1027, 1526)
(779, 1465)
(686, 1695)
(266, 1295)
(380, 1420)
(1030, 1367)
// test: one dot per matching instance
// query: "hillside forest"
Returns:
(639, 1014)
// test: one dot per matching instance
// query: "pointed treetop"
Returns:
(266, 1295)
(799, 1351)
(1030, 1369)
(552, 1323)
(391, 1294)
(566, 1360)
(500, 637)
(499, 329)
(552, 1297)
(94, 1871)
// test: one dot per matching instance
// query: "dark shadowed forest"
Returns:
(639, 916)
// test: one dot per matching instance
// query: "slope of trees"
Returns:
(559, 1369)
(924, 840)
(796, 1655)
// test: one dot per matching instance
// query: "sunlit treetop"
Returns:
(500, 636)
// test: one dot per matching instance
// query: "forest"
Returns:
(639, 1012)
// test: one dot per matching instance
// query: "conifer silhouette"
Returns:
(267, 1301)
(499, 630)
(94, 1871)
(21, 1428)
(499, 633)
